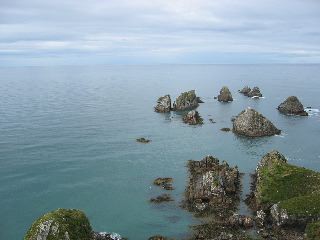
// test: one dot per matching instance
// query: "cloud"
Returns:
(159, 31)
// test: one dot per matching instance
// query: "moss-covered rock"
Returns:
(292, 106)
(289, 194)
(186, 101)
(225, 95)
(61, 224)
(193, 118)
(313, 231)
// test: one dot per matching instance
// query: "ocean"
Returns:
(68, 139)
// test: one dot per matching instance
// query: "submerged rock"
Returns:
(60, 224)
(106, 236)
(186, 101)
(143, 140)
(245, 91)
(211, 120)
(162, 198)
(255, 92)
(165, 183)
(158, 237)
(293, 106)
(253, 124)
(192, 118)
(225, 95)
(200, 100)
(163, 104)
(225, 129)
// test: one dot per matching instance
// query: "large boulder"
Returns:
(292, 106)
(255, 92)
(245, 90)
(225, 95)
(186, 101)
(163, 104)
(193, 118)
(253, 124)
(61, 224)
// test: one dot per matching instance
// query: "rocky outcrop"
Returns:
(225, 95)
(212, 186)
(192, 118)
(255, 92)
(237, 220)
(66, 224)
(163, 104)
(292, 106)
(165, 183)
(161, 198)
(245, 91)
(186, 101)
(253, 124)
(285, 196)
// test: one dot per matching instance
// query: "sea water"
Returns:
(68, 139)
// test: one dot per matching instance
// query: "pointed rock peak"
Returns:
(292, 106)
(225, 95)
(253, 124)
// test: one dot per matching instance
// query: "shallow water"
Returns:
(67, 138)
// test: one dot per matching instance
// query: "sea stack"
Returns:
(255, 92)
(193, 118)
(292, 106)
(245, 90)
(225, 95)
(163, 104)
(186, 101)
(253, 124)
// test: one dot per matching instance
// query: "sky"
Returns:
(77, 32)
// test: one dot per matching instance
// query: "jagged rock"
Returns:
(163, 104)
(165, 183)
(293, 106)
(61, 224)
(186, 101)
(253, 124)
(245, 91)
(157, 237)
(162, 198)
(199, 100)
(211, 185)
(143, 140)
(260, 218)
(225, 95)
(279, 216)
(193, 118)
(255, 92)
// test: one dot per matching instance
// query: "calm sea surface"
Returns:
(67, 139)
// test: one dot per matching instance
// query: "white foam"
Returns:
(312, 111)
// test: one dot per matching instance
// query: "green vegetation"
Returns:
(313, 231)
(61, 224)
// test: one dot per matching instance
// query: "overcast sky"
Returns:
(59, 32)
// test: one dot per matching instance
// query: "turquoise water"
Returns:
(67, 139)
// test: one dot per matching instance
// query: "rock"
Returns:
(192, 118)
(199, 100)
(253, 124)
(143, 140)
(260, 218)
(61, 224)
(157, 237)
(245, 91)
(106, 236)
(211, 185)
(211, 120)
(255, 92)
(162, 198)
(237, 220)
(287, 195)
(186, 101)
(163, 104)
(292, 106)
(313, 231)
(225, 95)
(225, 129)
(165, 183)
